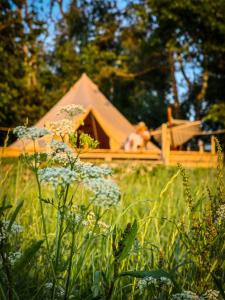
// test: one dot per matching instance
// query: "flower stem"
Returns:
(70, 265)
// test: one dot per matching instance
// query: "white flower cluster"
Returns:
(32, 133)
(151, 281)
(58, 146)
(48, 285)
(210, 295)
(71, 110)
(74, 218)
(3, 235)
(105, 192)
(60, 292)
(61, 128)
(220, 214)
(185, 295)
(57, 176)
(63, 158)
(90, 171)
(14, 256)
(15, 229)
(91, 218)
(61, 153)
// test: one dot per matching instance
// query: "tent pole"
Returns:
(93, 122)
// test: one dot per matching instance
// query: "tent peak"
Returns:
(86, 82)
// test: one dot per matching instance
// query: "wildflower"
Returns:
(220, 213)
(57, 176)
(72, 110)
(15, 228)
(90, 171)
(165, 280)
(58, 146)
(48, 285)
(61, 128)
(210, 295)
(60, 292)
(186, 295)
(63, 158)
(73, 218)
(151, 281)
(3, 235)
(35, 159)
(105, 192)
(32, 133)
(14, 256)
(145, 282)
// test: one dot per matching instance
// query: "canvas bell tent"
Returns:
(101, 119)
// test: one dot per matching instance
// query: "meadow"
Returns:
(163, 240)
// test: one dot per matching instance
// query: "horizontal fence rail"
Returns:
(164, 155)
(186, 158)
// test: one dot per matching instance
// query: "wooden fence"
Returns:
(164, 156)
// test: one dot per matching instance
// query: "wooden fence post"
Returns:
(165, 144)
(213, 145)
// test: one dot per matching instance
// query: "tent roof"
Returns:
(84, 92)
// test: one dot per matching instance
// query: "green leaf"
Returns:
(4, 206)
(128, 240)
(14, 215)
(142, 274)
(2, 294)
(27, 256)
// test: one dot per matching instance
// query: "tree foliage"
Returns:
(143, 54)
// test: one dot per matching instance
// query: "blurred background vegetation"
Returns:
(143, 54)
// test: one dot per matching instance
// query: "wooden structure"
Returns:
(101, 119)
(107, 125)
(165, 156)
(180, 131)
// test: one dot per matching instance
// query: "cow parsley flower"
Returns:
(32, 133)
(151, 281)
(61, 128)
(57, 176)
(64, 158)
(58, 146)
(105, 192)
(185, 295)
(72, 110)
(15, 228)
(48, 285)
(5, 232)
(3, 235)
(14, 256)
(90, 171)
(210, 295)
(220, 214)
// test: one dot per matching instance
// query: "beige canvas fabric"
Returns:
(84, 92)
(181, 132)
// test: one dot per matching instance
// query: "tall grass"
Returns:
(154, 216)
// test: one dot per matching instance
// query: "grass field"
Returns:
(165, 226)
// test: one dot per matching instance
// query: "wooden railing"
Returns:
(164, 156)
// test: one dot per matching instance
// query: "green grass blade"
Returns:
(15, 213)
(28, 254)
(128, 241)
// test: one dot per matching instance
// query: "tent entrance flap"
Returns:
(93, 128)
